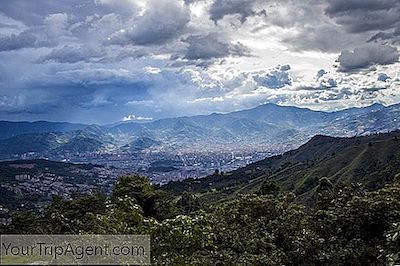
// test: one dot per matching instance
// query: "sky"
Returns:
(104, 61)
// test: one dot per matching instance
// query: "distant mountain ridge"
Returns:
(87, 139)
(11, 129)
(264, 127)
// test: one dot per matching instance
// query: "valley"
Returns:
(372, 161)
(200, 144)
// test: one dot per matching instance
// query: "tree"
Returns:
(74, 216)
(269, 188)
(188, 203)
(155, 203)
(324, 193)
(24, 223)
(354, 227)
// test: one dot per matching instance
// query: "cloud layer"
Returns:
(368, 55)
(101, 61)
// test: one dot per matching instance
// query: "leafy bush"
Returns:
(347, 226)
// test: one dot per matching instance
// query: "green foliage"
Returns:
(263, 230)
(188, 203)
(74, 216)
(23, 223)
(348, 226)
(154, 203)
(354, 226)
(393, 237)
(324, 193)
(122, 217)
(184, 240)
(269, 187)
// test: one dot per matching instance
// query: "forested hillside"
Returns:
(346, 226)
(371, 160)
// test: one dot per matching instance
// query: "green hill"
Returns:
(371, 160)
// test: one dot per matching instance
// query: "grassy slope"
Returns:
(372, 160)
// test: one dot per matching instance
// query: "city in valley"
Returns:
(162, 167)
(34, 180)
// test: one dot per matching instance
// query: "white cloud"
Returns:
(132, 117)
(152, 70)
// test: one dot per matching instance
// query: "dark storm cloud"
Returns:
(73, 54)
(366, 56)
(15, 42)
(33, 13)
(392, 37)
(244, 9)
(76, 96)
(92, 76)
(23, 40)
(161, 22)
(47, 21)
(340, 6)
(351, 22)
(307, 26)
(213, 45)
(365, 15)
(317, 38)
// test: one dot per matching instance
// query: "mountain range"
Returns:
(266, 127)
(11, 129)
